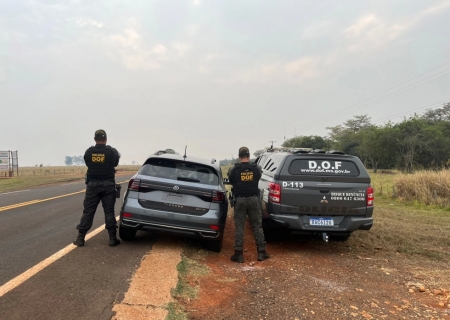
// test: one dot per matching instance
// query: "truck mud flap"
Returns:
(366, 226)
(272, 223)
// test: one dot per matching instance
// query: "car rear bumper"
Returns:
(195, 232)
(341, 223)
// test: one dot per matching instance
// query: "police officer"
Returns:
(244, 177)
(100, 186)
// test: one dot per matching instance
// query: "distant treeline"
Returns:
(74, 161)
(227, 162)
(418, 142)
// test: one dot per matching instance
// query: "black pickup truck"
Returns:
(327, 193)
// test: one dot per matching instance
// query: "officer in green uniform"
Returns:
(244, 177)
(100, 186)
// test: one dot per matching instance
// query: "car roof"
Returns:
(188, 158)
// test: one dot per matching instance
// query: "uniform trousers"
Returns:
(96, 191)
(248, 207)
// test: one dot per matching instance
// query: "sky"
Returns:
(214, 75)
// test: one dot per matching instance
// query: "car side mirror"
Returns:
(226, 181)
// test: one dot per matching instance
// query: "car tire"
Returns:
(215, 245)
(127, 234)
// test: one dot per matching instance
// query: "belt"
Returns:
(245, 196)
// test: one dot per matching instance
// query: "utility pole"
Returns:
(271, 141)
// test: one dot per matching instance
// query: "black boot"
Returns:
(238, 256)
(263, 255)
(113, 241)
(79, 242)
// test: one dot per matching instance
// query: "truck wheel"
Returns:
(127, 234)
(341, 237)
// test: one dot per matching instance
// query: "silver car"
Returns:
(177, 194)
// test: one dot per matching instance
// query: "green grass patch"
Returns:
(176, 312)
(183, 289)
(188, 269)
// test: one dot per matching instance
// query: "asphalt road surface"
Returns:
(82, 284)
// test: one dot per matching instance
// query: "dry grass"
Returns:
(399, 227)
(39, 176)
(55, 170)
(225, 170)
(427, 187)
(383, 183)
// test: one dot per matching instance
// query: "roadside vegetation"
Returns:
(420, 142)
(425, 187)
(189, 269)
(30, 177)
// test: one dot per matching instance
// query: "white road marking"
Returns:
(14, 192)
(17, 281)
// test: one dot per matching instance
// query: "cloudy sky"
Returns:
(210, 74)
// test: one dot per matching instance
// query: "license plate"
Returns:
(174, 197)
(324, 222)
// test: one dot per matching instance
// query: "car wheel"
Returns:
(127, 234)
(215, 245)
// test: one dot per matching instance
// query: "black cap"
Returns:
(243, 151)
(100, 134)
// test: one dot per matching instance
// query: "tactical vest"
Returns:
(246, 180)
(100, 161)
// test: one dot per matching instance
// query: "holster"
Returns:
(232, 200)
(118, 187)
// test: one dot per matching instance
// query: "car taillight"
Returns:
(218, 196)
(370, 197)
(274, 192)
(127, 215)
(133, 184)
(217, 228)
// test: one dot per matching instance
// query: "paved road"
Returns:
(82, 284)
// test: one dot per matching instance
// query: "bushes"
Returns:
(428, 187)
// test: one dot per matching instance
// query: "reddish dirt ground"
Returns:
(306, 278)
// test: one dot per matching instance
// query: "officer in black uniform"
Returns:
(244, 177)
(100, 186)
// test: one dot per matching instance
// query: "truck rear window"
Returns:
(322, 167)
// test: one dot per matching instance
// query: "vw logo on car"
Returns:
(176, 188)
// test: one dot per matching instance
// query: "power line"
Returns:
(371, 98)
(411, 111)
(394, 94)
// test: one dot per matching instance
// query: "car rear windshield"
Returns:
(180, 171)
(323, 167)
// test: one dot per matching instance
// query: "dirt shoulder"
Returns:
(149, 294)
(306, 278)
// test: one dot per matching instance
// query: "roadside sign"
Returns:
(9, 161)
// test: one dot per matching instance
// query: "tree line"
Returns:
(418, 142)
(74, 161)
